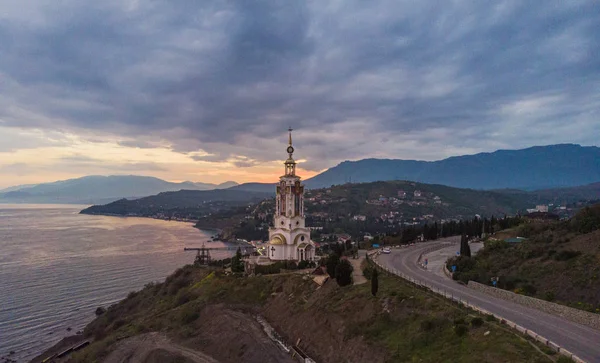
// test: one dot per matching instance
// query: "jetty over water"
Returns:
(203, 253)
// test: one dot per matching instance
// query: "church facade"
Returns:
(289, 238)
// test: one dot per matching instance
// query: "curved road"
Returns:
(580, 340)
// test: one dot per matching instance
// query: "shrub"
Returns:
(118, 323)
(490, 317)
(332, 261)
(529, 289)
(303, 264)
(549, 296)
(343, 273)
(476, 322)
(461, 329)
(183, 296)
(433, 324)
(459, 321)
(100, 310)
(368, 271)
(188, 315)
(587, 220)
(267, 269)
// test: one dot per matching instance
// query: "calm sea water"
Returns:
(57, 266)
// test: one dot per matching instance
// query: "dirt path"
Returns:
(357, 274)
(155, 347)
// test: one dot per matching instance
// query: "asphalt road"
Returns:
(580, 340)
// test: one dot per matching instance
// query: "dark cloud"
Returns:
(367, 79)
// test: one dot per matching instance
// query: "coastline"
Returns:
(72, 264)
(212, 231)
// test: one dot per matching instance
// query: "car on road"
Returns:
(386, 250)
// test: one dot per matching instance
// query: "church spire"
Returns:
(290, 164)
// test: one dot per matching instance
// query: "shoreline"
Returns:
(77, 313)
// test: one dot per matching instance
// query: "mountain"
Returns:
(99, 189)
(538, 167)
(179, 204)
(255, 187)
(16, 188)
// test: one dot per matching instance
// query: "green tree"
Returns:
(343, 273)
(374, 282)
(332, 261)
(237, 264)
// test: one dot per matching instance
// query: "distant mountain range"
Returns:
(97, 189)
(538, 167)
(534, 168)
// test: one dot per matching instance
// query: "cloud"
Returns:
(218, 79)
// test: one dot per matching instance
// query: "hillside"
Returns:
(98, 189)
(188, 204)
(539, 167)
(386, 207)
(199, 313)
(559, 261)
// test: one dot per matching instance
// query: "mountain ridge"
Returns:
(93, 189)
(533, 168)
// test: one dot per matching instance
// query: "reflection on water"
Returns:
(57, 266)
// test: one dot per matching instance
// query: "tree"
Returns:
(343, 273)
(332, 261)
(465, 250)
(237, 264)
(374, 282)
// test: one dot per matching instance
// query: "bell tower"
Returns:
(289, 237)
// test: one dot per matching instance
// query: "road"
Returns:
(580, 340)
(437, 259)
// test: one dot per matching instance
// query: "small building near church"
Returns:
(289, 238)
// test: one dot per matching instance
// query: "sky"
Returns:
(206, 90)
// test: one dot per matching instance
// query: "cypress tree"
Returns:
(374, 282)
(237, 264)
(332, 261)
(465, 250)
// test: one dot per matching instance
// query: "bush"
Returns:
(490, 317)
(461, 329)
(343, 273)
(188, 315)
(332, 261)
(549, 296)
(100, 310)
(529, 289)
(587, 220)
(459, 321)
(368, 271)
(306, 264)
(433, 324)
(267, 269)
(476, 322)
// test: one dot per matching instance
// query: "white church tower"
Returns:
(289, 239)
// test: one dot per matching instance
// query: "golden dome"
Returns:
(278, 240)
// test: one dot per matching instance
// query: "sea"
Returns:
(57, 266)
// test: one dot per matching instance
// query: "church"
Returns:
(289, 238)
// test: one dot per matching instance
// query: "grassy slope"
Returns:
(560, 261)
(337, 324)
